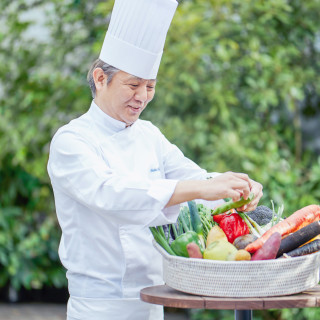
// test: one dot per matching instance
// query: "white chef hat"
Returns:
(136, 35)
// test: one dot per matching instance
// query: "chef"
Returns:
(114, 175)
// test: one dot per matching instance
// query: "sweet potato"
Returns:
(269, 249)
(194, 250)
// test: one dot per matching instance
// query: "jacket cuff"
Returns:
(212, 174)
(162, 190)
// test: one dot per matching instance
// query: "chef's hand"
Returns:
(226, 185)
(234, 185)
(256, 189)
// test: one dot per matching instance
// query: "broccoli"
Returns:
(261, 215)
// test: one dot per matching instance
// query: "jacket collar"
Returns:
(105, 121)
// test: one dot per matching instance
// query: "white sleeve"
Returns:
(177, 166)
(75, 167)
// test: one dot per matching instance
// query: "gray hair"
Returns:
(108, 70)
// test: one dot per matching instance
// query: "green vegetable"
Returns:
(184, 222)
(175, 232)
(196, 222)
(232, 205)
(161, 239)
(206, 219)
(179, 245)
(254, 228)
(261, 215)
(276, 217)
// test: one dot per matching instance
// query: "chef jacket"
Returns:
(111, 183)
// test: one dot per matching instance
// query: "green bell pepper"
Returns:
(179, 245)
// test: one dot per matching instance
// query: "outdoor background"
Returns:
(238, 89)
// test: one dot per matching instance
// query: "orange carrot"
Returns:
(296, 221)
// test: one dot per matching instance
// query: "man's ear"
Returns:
(100, 78)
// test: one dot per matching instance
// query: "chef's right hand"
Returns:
(227, 185)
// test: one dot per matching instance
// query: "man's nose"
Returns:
(141, 94)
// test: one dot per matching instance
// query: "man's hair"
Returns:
(108, 70)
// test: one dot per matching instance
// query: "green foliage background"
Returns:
(237, 79)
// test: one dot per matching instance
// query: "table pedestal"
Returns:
(242, 314)
(243, 307)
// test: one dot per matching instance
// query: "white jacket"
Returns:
(110, 184)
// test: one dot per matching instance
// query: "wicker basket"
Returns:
(240, 278)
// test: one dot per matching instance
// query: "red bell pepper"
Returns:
(232, 225)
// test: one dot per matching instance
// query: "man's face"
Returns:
(125, 97)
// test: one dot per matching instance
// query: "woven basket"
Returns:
(240, 279)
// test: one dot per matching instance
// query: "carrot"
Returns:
(296, 221)
(309, 248)
(298, 238)
(315, 238)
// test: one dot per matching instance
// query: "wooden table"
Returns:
(243, 307)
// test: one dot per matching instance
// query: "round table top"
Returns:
(168, 297)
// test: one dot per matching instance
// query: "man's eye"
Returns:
(133, 85)
(150, 87)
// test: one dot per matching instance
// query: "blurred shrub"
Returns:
(235, 95)
(28, 236)
(280, 314)
(42, 86)
(237, 82)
